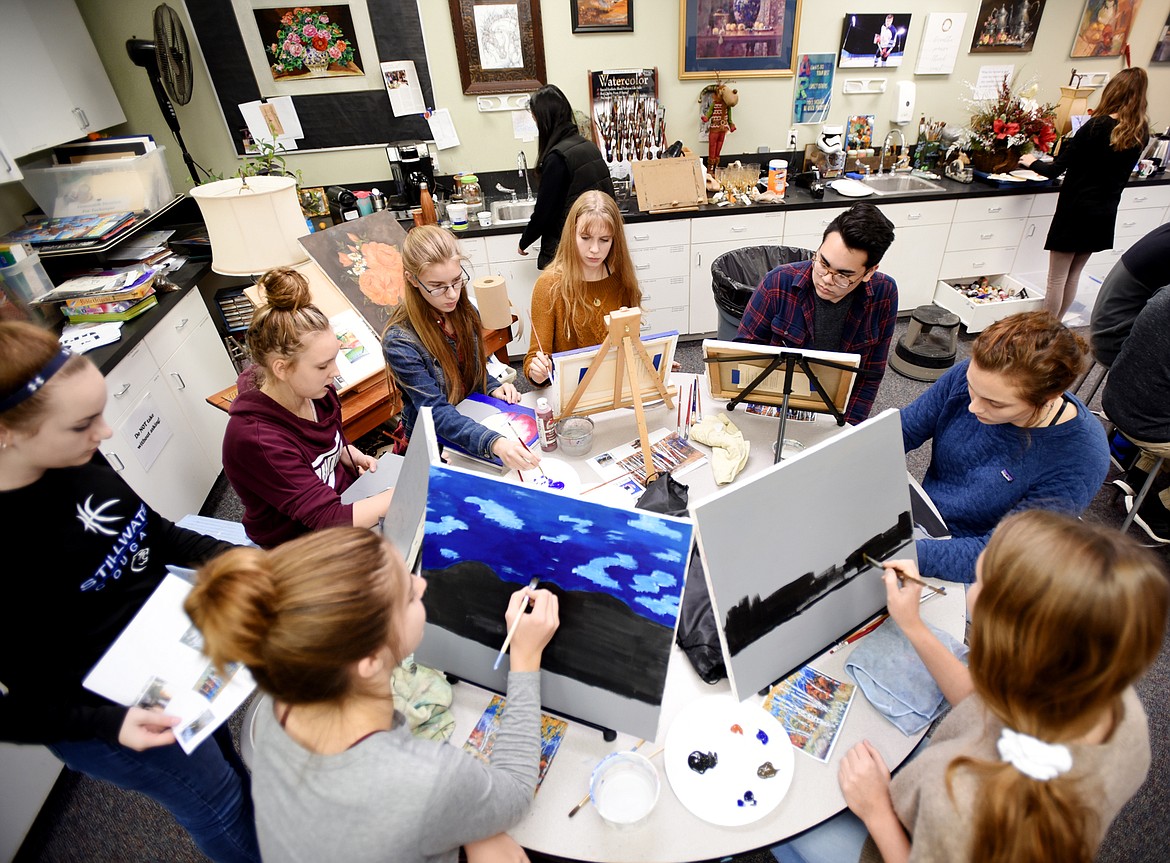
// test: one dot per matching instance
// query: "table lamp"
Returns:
(253, 224)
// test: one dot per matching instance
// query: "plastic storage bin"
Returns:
(101, 186)
(22, 283)
(978, 316)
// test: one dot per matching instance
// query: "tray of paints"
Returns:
(982, 300)
(729, 763)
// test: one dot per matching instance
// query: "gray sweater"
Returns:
(393, 797)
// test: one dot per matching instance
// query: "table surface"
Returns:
(671, 834)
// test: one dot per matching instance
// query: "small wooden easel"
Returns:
(624, 337)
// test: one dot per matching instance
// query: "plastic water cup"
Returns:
(624, 788)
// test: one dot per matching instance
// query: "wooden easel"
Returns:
(624, 336)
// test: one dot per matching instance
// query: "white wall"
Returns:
(763, 116)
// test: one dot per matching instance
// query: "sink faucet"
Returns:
(863, 167)
(522, 171)
(500, 187)
(886, 147)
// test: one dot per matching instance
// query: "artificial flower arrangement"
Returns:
(309, 40)
(1011, 120)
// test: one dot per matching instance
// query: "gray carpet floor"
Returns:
(86, 820)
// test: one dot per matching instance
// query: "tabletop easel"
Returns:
(624, 336)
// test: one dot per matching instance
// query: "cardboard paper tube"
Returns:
(491, 295)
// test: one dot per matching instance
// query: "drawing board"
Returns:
(783, 550)
(605, 391)
(729, 378)
(403, 524)
(618, 575)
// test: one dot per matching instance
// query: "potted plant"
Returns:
(1006, 126)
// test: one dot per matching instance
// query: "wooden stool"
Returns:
(929, 346)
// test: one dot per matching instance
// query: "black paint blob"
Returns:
(701, 762)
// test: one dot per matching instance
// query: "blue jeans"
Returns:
(207, 791)
(838, 840)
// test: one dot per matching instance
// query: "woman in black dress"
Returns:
(1096, 162)
(566, 163)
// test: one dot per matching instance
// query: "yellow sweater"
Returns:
(552, 327)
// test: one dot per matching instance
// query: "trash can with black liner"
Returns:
(735, 274)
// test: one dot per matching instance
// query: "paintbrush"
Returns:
(540, 348)
(538, 467)
(512, 629)
(902, 577)
(585, 799)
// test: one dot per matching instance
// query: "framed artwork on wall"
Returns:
(602, 16)
(747, 38)
(1006, 27)
(1104, 28)
(499, 45)
(873, 40)
(1162, 47)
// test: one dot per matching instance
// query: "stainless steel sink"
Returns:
(893, 184)
(511, 212)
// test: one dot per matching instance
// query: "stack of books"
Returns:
(111, 295)
(43, 230)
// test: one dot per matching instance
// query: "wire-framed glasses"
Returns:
(434, 290)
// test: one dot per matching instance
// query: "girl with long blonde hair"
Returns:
(591, 276)
(433, 348)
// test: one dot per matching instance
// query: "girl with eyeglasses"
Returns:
(284, 451)
(97, 553)
(433, 348)
(591, 276)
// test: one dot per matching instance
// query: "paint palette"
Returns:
(553, 474)
(728, 763)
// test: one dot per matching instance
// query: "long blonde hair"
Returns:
(279, 327)
(427, 245)
(595, 210)
(1125, 96)
(1069, 615)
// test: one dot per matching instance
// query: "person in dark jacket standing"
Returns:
(1096, 162)
(567, 165)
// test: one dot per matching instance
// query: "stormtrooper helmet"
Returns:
(831, 139)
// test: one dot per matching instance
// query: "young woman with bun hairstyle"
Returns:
(1006, 436)
(97, 553)
(433, 348)
(284, 451)
(1047, 739)
(591, 276)
(320, 622)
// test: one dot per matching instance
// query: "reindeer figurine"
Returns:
(718, 118)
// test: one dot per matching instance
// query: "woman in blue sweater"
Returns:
(1006, 437)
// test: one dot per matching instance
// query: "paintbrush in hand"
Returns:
(512, 629)
(538, 467)
(902, 577)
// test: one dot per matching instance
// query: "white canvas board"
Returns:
(406, 518)
(795, 534)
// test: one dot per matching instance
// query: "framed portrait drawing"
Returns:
(602, 16)
(1104, 28)
(1006, 27)
(499, 45)
(744, 38)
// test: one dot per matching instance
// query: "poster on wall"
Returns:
(873, 41)
(1006, 26)
(940, 43)
(1104, 28)
(814, 88)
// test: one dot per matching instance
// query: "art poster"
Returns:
(1104, 28)
(814, 88)
(1006, 25)
(483, 736)
(873, 40)
(859, 132)
(363, 259)
(618, 576)
(784, 550)
(812, 707)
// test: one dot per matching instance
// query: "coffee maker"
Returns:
(411, 165)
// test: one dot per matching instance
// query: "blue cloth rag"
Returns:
(893, 678)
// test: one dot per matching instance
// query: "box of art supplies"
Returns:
(20, 285)
(135, 183)
(980, 301)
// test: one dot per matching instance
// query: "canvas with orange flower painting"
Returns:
(363, 259)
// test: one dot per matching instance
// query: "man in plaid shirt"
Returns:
(837, 301)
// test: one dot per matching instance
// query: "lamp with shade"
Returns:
(253, 224)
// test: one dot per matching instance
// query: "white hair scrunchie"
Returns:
(1035, 758)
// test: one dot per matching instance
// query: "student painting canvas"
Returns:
(784, 551)
(618, 576)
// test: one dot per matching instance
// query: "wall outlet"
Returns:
(791, 138)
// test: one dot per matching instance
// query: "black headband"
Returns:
(38, 380)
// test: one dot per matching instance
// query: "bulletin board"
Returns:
(329, 120)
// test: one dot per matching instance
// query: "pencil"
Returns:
(512, 629)
(585, 799)
(941, 591)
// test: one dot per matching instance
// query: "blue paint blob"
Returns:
(555, 483)
(762, 737)
(750, 798)
(739, 803)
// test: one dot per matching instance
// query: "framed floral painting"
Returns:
(744, 38)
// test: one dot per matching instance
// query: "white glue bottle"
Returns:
(545, 426)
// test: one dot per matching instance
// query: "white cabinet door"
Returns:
(912, 261)
(704, 316)
(197, 369)
(9, 170)
(1031, 256)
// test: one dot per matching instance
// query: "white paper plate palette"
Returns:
(553, 475)
(728, 763)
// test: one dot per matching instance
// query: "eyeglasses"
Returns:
(841, 280)
(434, 290)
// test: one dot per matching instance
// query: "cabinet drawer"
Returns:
(919, 213)
(664, 320)
(979, 262)
(801, 222)
(127, 381)
(502, 247)
(1145, 198)
(985, 235)
(660, 262)
(169, 334)
(1136, 223)
(732, 225)
(647, 235)
(476, 250)
(1005, 207)
(664, 292)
